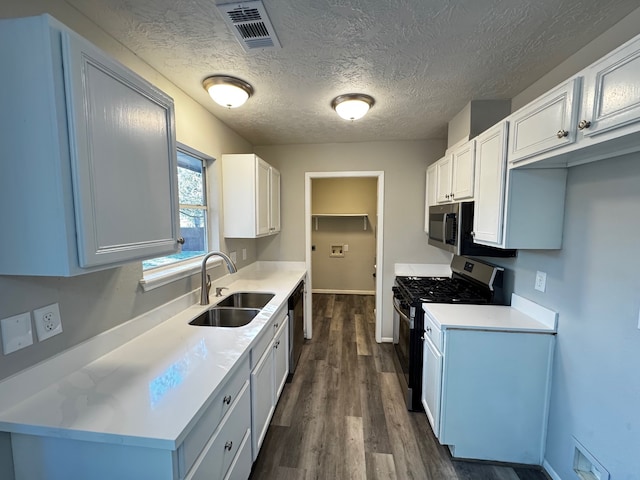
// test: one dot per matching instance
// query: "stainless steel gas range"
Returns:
(471, 282)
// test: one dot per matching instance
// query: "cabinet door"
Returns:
(430, 193)
(262, 197)
(123, 159)
(274, 206)
(463, 166)
(612, 91)
(281, 358)
(545, 124)
(262, 395)
(491, 160)
(443, 173)
(432, 384)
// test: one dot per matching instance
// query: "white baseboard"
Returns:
(344, 292)
(550, 471)
(386, 340)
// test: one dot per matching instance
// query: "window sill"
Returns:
(160, 276)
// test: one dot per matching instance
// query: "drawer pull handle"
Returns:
(428, 329)
(275, 325)
(227, 399)
(584, 124)
(562, 133)
(228, 446)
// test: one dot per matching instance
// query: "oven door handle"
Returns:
(402, 314)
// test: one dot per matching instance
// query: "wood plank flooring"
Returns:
(343, 415)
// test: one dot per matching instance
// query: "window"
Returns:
(193, 209)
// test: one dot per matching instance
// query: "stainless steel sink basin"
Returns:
(225, 317)
(246, 300)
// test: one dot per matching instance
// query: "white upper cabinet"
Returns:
(455, 174)
(251, 196)
(516, 208)
(444, 171)
(545, 124)
(88, 156)
(431, 188)
(463, 160)
(612, 91)
(491, 166)
(606, 98)
(274, 204)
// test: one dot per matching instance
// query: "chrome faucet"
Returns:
(205, 282)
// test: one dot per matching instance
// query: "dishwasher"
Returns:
(296, 327)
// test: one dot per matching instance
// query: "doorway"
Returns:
(367, 221)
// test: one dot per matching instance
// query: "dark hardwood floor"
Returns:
(343, 415)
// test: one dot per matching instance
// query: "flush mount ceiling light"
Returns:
(227, 91)
(352, 106)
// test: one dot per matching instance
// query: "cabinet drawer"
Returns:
(201, 432)
(240, 469)
(225, 443)
(433, 331)
(263, 343)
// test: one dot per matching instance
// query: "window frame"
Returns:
(164, 274)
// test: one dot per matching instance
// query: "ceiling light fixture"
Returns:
(352, 106)
(230, 92)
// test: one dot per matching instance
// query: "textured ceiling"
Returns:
(422, 60)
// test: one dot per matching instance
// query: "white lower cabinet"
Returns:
(217, 447)
(270, 367)
(225, 444)
(486, 393)
(432, 384)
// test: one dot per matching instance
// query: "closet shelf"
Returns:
(364, 216)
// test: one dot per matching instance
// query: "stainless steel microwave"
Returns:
(450, 228)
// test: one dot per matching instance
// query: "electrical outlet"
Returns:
(48, 321)
(234, 257)
(541, 281)
(244, 254)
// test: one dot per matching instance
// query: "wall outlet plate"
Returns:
(541, 281)
(16, 332)
(48, 321)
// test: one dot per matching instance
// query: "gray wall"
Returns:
(93, 303)
(404, 165)
(593, 283)
(354, 270)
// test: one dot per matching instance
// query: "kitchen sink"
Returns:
(246, 300)
(225, 317)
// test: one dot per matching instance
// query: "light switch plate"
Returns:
(16, 332)
(541, 281)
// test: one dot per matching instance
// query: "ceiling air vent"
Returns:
(250, 24)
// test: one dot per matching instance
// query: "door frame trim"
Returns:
(309, 176)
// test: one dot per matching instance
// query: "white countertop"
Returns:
(522, 316)
(148, 391)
